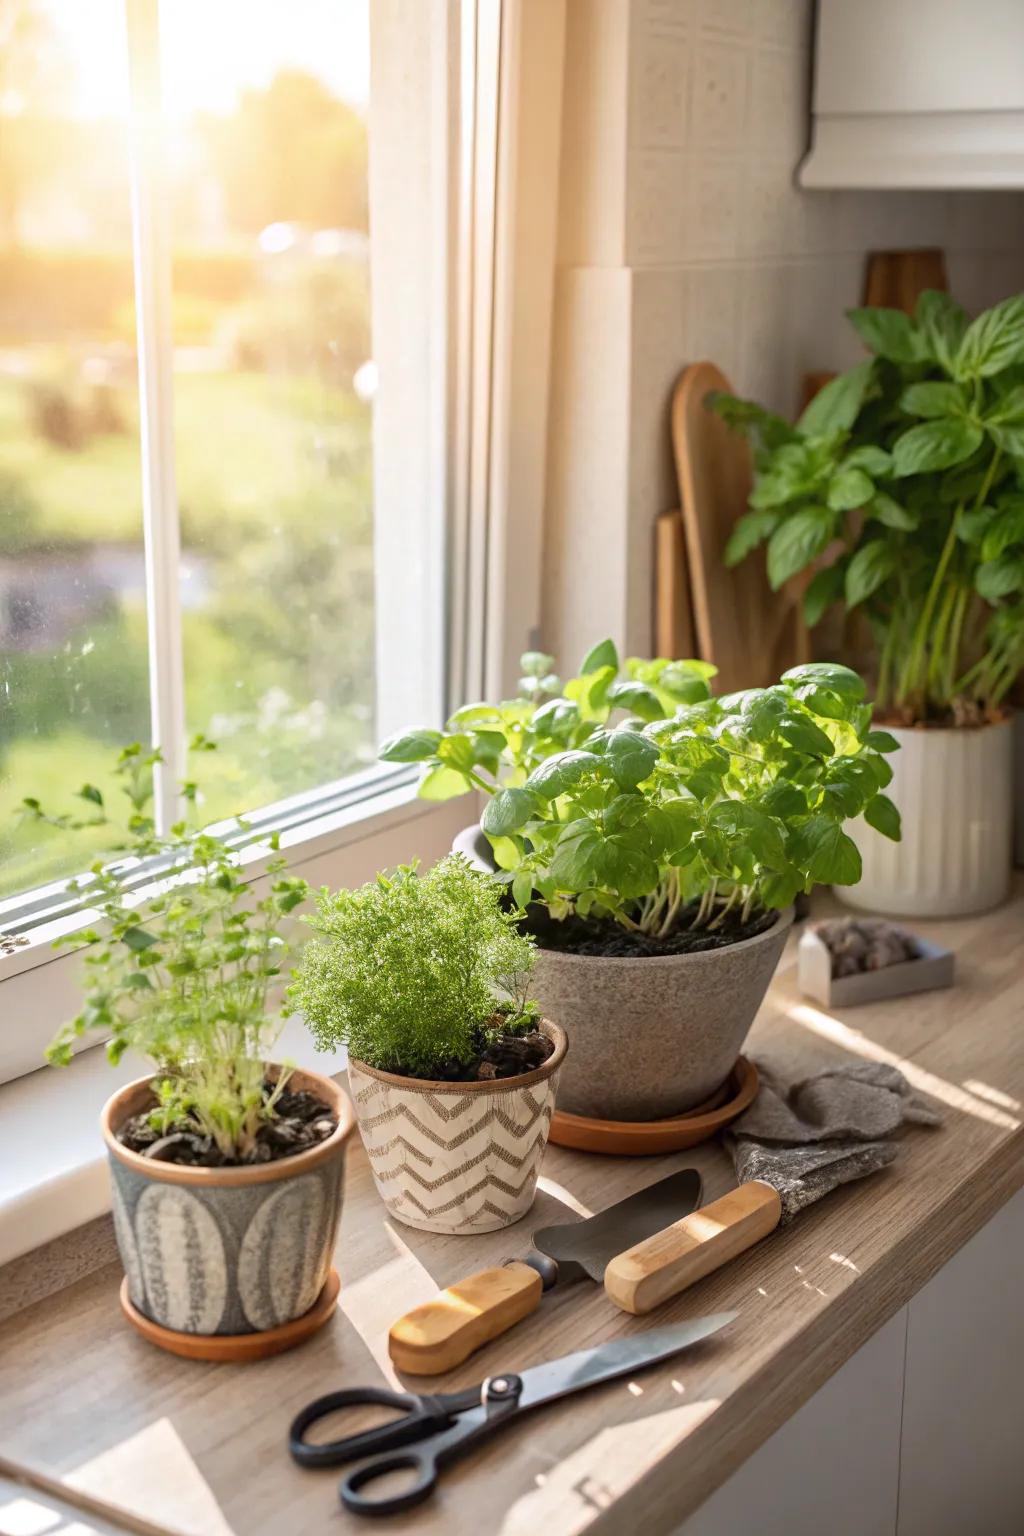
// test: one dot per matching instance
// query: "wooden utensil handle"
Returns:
(442, 1333)
(665, 1264)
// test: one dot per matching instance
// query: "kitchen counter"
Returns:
(201, 1449)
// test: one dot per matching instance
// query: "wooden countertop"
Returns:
(201, 1448)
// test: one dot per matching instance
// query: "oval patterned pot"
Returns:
(954, 790)
(654, 1036)
(226, 1250)
(457, 1157)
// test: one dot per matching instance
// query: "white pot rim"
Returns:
(705, 957)
(424, 1085)
(923, 731)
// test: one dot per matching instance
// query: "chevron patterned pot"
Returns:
(226, 1250)
(457, 1157)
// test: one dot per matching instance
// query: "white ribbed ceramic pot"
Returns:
(954, 790)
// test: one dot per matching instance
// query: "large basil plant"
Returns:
(902, 487)
(642, 797)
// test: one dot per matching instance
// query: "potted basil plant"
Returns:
(453, 1071)
(226, 1165)
(655, 838)
(900, 492)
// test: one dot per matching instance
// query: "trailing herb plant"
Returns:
(180, 970)
(902, 487)
(423, 975)
(647, 802)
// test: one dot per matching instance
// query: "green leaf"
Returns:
(884, 509)
(802, 733)
(874, 461)
(522, 888)
(444, 783)
(933, 398)
(881, 741)
(822, 849)
(751, 530)
(507, 811)
(1008, 436)
(1006, 529)
(935, 445)
(557, 774)
(993, 341)
(872, 565)
(767, 430)
(888, 333)
(1009, 407)
(536, 664)
(828, 674)
(753, 826)
(631, 758)
(91, 793)
(998, 578)
(881, 814)
(643, 701)
(824, 589)
(601, 655)
(687, 681)
(835, 408)
(575, 861)
(506, 852)
(410, 747)
(942, 323)
(138, 939)
(848, 489)
(796, 542)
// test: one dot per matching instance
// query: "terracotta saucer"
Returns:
(236, 1346)
(644, 1138)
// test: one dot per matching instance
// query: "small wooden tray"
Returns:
(645, 1138)
(236, 1347)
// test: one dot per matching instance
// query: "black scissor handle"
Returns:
(423, 1463)
(419, 1416)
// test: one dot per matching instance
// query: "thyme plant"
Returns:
(647, 801)
(180, 970)
(415, 972)
(902, 488)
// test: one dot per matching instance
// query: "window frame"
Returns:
(486, 450)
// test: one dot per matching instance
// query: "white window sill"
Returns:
(53, 1167)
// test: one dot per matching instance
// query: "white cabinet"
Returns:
(920, 1433)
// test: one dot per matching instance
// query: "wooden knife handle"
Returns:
(665, 1264)
(442, 1333)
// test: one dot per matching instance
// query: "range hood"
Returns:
(917, 93)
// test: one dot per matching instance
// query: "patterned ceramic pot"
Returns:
(457, 1157)
(226, 1250)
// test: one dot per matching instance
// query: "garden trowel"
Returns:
(447, 1330)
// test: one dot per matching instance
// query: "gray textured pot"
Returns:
(226, 1250)
(653, 1037)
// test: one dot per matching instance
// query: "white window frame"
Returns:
(472, 487)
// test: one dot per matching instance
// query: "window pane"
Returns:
(266, 109)
(73, 674)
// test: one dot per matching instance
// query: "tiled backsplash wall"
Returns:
(690, 218)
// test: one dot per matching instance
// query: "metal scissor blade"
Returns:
(557, 1378)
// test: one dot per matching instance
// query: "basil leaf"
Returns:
(885, 510)
(993, 341)
(881, 814)
(933, 398)
(935, 445)
(872, 565)
(825, 587)
(828, 674)
(507, 811)
(601, 655)
(631, 758)
(822, 848)
(874, 461)
(998, 578)
(848, 489)
(835, 407)
(751, 530)
(881, 741)
(555, 775)
(942, 323)
(888, 332)
(796, 542)
(410, 746)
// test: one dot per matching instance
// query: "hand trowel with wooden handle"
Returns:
(444, 1332)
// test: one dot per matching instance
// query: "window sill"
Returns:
(53, 1169)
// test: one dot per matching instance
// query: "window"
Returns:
(275, 282)
(245, 469)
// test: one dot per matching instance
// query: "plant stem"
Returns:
(908, 683)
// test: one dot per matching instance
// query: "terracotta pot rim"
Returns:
(783, 919)
(130, 1099)
(490, 1085)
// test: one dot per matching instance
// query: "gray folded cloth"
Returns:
(805, 1138)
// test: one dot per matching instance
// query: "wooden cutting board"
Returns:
(750, 633)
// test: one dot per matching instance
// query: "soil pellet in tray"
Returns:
(302, 1120)
(864, 944)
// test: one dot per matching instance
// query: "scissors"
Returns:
(449, 1424)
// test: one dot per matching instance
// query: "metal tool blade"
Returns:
(557, 1378)
(582, 1248)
